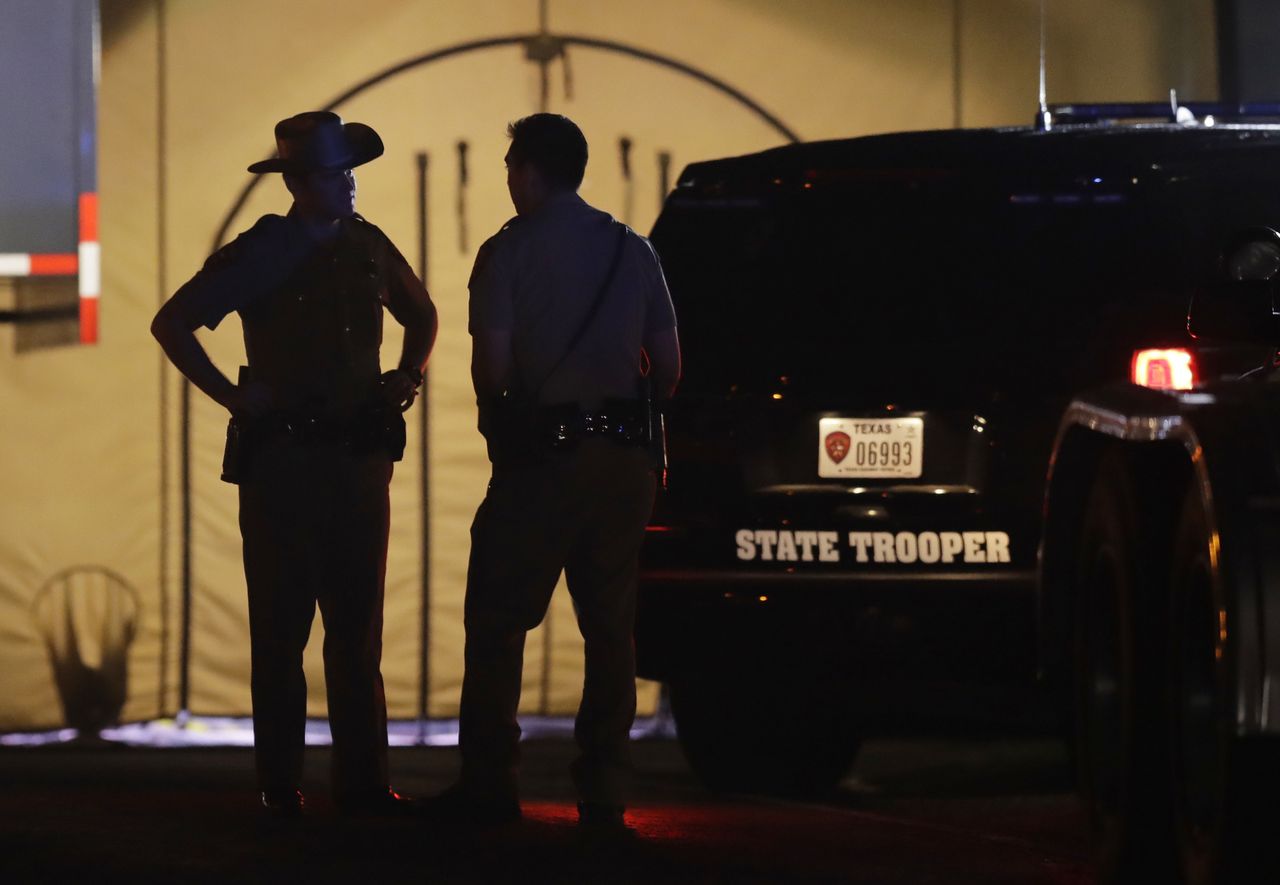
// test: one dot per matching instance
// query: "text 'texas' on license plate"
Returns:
(870, 448)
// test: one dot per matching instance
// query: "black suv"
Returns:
(881, 335)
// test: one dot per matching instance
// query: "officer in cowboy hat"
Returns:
(316, 426)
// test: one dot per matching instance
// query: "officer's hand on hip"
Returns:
(398, 388)
(251, 399)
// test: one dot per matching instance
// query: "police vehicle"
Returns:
(1160, 596)
(881, 337)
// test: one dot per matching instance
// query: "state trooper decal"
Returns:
(888, 548)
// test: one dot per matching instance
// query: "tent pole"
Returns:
(184, 455)
(162, 277)
(424, 469)
(184, 443)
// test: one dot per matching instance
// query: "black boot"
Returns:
(603, 821)
(467, 807)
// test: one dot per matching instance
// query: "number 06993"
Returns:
(870, 448)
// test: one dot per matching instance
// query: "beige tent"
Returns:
(98, 562)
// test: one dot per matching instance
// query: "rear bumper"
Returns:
(963, 627)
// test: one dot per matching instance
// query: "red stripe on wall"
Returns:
(88, 218)
(88, 320)
(54, 265)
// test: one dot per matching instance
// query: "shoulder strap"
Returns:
(591, 314)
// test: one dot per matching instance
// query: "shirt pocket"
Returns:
(363, 297)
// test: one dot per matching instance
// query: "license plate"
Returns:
(870, 448)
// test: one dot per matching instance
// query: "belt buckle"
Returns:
(558, 427)
(562, 433)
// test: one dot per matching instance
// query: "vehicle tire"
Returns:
(1121, 745)
(1224, 786)
(763, 735)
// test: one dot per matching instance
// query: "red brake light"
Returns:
(1169, 369)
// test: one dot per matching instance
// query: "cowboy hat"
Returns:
(318, 141)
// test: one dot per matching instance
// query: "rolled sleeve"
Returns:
(238, 274)
(404, 295)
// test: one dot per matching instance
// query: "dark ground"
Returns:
(912, 812)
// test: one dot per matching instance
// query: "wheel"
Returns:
(1200, 738)
(1120, 699)
(762, 735)
(1223, 786)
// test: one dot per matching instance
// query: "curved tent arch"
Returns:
(565, 40)
(538, 44)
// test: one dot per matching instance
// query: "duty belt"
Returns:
(371, 430)
(622, 421)
(313, 429)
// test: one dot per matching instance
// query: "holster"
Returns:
(379, 429)
(655, 430)
(509, 425)
(233, 466)
(235, 454)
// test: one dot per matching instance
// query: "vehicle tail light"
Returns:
(1167, 369)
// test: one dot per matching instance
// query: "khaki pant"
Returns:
(314, 521)
(582, 512)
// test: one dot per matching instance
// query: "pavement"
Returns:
(911, 811)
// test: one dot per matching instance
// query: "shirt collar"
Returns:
(344, 225)
(558, 199)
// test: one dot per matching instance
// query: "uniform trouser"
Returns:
(314, 521)
(582, 512)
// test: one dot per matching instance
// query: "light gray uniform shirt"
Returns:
(537, 278)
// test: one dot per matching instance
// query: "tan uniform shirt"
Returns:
(312, 312)
(538, 277)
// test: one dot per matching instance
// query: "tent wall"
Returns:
(91, 466)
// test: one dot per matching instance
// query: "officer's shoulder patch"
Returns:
(496, 242)
(265, 231)
(484, 255)
(485, 252)
(268, 227)
(225, 256)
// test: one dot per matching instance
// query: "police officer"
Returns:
(563, 300)
(319, 425)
